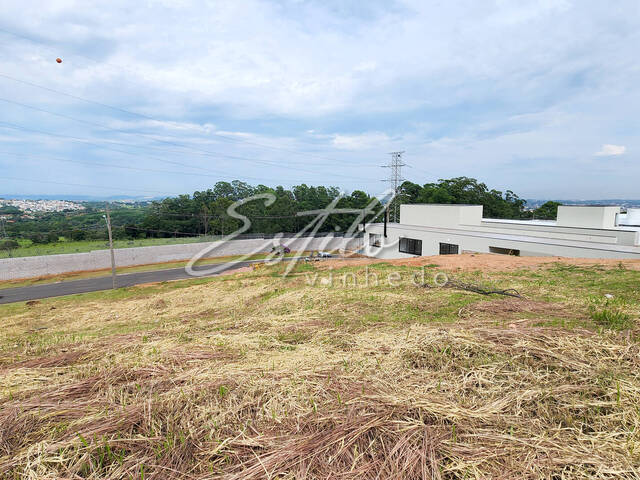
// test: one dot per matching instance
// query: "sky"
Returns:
(169, 96)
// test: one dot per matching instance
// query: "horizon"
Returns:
(115, 198)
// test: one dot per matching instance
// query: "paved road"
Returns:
(20, 294)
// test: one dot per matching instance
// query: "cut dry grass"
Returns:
(252, 377)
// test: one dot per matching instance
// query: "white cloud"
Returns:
(436, 79)
(363, 141)
(262, 58)
(611, 150)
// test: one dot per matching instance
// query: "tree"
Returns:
(465, 190)
(547, 211)
(131, 231)
(9, 210)
(77, 234)
(52, 237)
(37, 238)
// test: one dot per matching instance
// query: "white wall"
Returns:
(481, 242)
(632, 217)
(599, 235)
(29, 267)
(587, 216)
(581, 232)
(435, 215)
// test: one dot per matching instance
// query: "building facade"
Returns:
(579, 231)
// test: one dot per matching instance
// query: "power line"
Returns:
(126, 167)
(419, 170)
(172, 232)
(15, 126)
(60, 230)
(395, 179)
(129, 112)
(94, 142)
(83, 185)
(152, 137)
(51, 49)
(210, 215)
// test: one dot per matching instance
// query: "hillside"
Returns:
(251, 375)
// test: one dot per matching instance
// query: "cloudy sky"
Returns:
(165, 97)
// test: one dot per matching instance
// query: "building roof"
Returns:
(445, 204)
(553, 223)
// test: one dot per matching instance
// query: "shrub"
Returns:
(8, 244)
(37, 238)
(613, 319)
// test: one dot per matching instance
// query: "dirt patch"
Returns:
(516, 305)
(60, 360)
(237, 270)
(200, 354)
(518, 312)
(485, 262)
(159, 304)
(226, 272)
(315, 323)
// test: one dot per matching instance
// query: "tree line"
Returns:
(206, 212)
(465, 190)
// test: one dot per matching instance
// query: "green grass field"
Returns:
(27, 249)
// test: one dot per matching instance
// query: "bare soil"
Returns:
(487, 262)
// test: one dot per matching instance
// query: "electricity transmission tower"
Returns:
(395, 179)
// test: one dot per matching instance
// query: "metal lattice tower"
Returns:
(395, 179)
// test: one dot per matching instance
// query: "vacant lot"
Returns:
(252, 376)
(29, 249)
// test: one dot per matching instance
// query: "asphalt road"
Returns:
(21, 294)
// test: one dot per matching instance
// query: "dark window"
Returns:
(375, 239)
(410, 245)
(448, 249)
(504, 251)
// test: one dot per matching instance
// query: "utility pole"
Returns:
(395, 180)
(206, 220)
(107, 218)
(5, 236)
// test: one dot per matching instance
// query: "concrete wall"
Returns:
(435, 215)
(616, 237)
(587, 216)
(631, 218)
(28, 267)
(481, 242)
(581, 232)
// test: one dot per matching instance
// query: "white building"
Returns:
(591, 231)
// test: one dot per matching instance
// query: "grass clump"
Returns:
(610, 313)
(613, 319)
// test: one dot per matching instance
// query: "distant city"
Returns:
(36, 206)
(625, 203)
(61, 203)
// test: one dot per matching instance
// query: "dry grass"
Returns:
(489, 262)
(254, 377)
